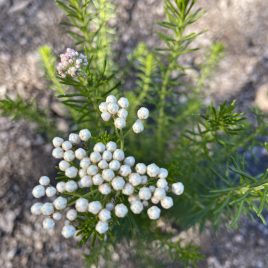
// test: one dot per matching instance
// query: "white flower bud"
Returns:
(44, 180)
(57, 153)
(163, 173)
(60, 187)
(105, 189)
(66, 146)
(48, 224)
(95, 157)
(125, 170)
(51, 191)
(118, 155)
(82, 173)
(36, 208)
(99, 147)
(106, 116)
(71, 186)
(104, 215)
(138, 126)
(111, 99)
(38, 191)
(136, 207)
(145, 193)
(103, 164)
(128, 189)
(130, 160)
(135, 179)
(107, 174)
(47, 209)
(154, 212)
(152, 188)
(85, 182)
(84, 134)
(92, 170)
(155, 200)
(133, 198)
(85, 162)
(63, 165)
(153, 170)
(71, 214)
(143, 113)
(57, 142)
(120, 210)
(94, 207)
(74, 138)
(103, 107)
(141, 168)
(71, 172)
(177, 188)
(68, 231)
(81, 204)
(69, 156)
(111, 146)
(102, 227)
(97, 179)
(80, 153)
(145, 203)
(162, 183)
(123, 102)
(112, 108)
(114, 165)
(144, 179)
(120, 123)
(167, 202)
(107, 155)
(159, 193)
(109, 206)
(122, 113)
(118, 183)
(60, 203)
(57, 216)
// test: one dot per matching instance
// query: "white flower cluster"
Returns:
(117, 109)
(71, 62)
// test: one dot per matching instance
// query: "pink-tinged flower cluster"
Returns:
(71, 63)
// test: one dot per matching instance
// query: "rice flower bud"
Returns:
(51, 191)
(144, 179)
(123, 102)
(47, 209)
(71, 186)
(130, 160)
(122, 113)
(95, 157)
(111, 99)
(145, 193)
(177, 188)
(103, 107)
(84, 134)
(38, 191)
(153, 170)
(120, 210)
(68, 231)
(103, 164)
(99, 147)
(104, 215)
(81, 204)
(57, 216)
(82, 173)
(94, 207)
(118, 155)
(69, 156)
(92, 170)
(145, 203)
(111, 146)
(44, 180)
(109, 206)
(85, 162)
(136, 207)
(57, 153)
(107, 174)
(67, 145)
(118, 183)
(74, 138)
(107, 155)
(135, 179)
(125, 170)
(71, 214)
(71, 172)
(80, 153)
(143, 113)
(48, 224)
(112, 108)
(162, 183)
(138, 126)
(57, 141)
(120, 123)
(60, 187)
(155, 200)
(141, 168)
(159, 193)
(154, 213)
(63, 165)
(60, 203)
(167, 202)
(105, 116)
(152, 188)
(133, 198)
(102, 227)
(114, 165)
(85, 182)
(128, 189)
(36, 208)
(105, 189)
(163, 173)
